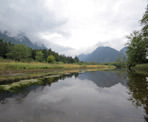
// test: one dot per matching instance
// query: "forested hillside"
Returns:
(20, 39)
(20, 52)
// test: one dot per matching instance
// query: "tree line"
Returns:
(20, 52)
(137, 51)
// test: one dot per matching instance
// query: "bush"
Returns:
(50, 59)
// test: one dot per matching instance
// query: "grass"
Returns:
(23, 84)
(10, 78)
(16, 77)
(11, 71)
(32, 65)
(141, 68)
(16, 86)
(22, 66)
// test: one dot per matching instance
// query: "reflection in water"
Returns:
(22, 93)
(138, 90)
(105, 79)
(88, 97)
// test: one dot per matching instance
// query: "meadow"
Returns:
(12, 71)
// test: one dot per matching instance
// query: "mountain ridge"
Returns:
(99, 55)
(102, 55)
(20, 39)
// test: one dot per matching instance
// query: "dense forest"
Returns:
(20, 52)
(137, 50)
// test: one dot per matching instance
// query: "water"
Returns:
(102, 96)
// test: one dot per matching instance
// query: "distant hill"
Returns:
(20, 39)
(123, 51)
(102, 55)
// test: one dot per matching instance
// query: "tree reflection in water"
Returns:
(138, 91)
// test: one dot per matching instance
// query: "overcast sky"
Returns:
(73, 26)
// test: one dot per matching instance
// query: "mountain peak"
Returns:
(102, 55)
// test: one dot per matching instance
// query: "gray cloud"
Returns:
(29, 17)
(69, 24)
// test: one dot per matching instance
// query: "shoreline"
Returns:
(12, 80)
(47, 79)
(141, 69)
(15, 71)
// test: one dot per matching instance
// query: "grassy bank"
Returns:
(16, 86)
(24, 84)
(13, 84)
(11, 71)
(141, 68)
(21, 66)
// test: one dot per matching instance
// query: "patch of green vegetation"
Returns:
(22, 84)
(137, 46)
(37, 65)
(11, 71)
(15, 83)
(32, 65)
(6, 79)
(141, 69)
(14, 67)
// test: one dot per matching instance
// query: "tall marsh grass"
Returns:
(12, 65)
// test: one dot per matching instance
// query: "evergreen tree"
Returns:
(19, 52)
(39, 56)
(4, 48)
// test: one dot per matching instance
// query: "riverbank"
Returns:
(25, 84)
(21, 67)
(19, 74)
(141, 69)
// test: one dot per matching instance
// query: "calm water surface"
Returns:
(102, 96)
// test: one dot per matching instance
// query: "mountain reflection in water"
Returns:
(102, 96)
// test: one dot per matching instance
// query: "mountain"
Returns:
(102, 55)
(20, 39)
(123, 51)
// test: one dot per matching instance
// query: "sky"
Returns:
(72, 27)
